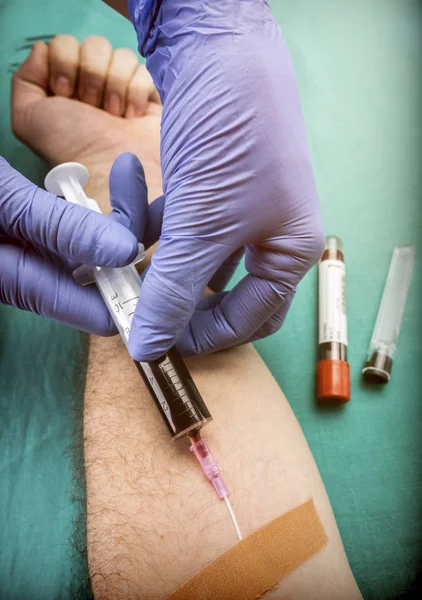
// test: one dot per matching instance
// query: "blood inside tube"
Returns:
(175, 394)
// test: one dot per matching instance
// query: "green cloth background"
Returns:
(359, 69)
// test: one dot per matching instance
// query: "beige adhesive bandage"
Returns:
(260, 561)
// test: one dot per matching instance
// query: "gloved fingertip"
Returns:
(103, 328)
(143, 354)
(108, 329)
(118, 247)
(222, 276)
(129, 194)
(127, 251)
(144, 347)
(124, 165)
(155, 221)
(186, 347)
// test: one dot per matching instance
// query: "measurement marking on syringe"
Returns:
(188, 410)
(135, 298)
(133, 312)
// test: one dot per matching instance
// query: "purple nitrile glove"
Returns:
(236, 173)
(42, 236)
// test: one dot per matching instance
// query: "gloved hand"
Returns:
(42, 237)
(236, 173)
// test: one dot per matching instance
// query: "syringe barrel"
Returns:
(167, 378)
(175, 393)
(119, 288)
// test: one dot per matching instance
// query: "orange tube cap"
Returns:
(333, 381)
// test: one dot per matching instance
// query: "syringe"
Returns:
(167, 378)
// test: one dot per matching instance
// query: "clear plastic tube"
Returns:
(383, 345)
(120, 289)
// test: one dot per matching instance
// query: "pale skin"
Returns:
(153, 518)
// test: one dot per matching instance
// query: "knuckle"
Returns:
(63, 54)
(319, 244)
(97, 41)
(315, 245)
(269, 328)
(125, 54)
(16, 123)
(307, 248)
(20, 110)
(142, 78)
(62, 40)
(106, 329)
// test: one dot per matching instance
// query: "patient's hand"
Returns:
(87, 103)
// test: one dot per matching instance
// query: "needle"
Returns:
(233, 517)
(211, 469)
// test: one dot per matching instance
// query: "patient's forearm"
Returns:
(153, 518)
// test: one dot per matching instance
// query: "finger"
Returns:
(223, 275)
(155, 221)
(124, 63)
(274, 323)
(63, 58)
(95, 56)
(155, 96)
(129, 200)
(210, 301)
(38, 283)
(275, 268)
(180, 270)
(29, 86)
(241, 312)
(140, 92)
(31, 214)
(129, 194)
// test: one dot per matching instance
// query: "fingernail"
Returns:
(61, 86)
(130, 111)
(113, 104)
(91, 96)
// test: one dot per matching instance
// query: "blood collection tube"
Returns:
(333, 372)
(382, 347)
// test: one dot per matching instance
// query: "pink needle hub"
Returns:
(209, 464)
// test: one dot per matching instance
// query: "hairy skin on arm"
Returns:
(153, 518)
